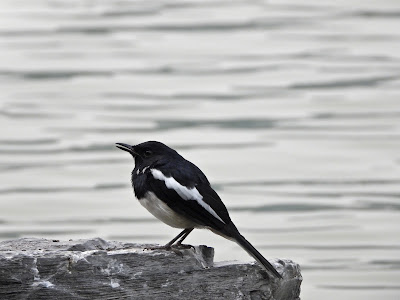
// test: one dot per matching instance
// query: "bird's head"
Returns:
(148, 153)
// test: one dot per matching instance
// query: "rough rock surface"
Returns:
(99, 269)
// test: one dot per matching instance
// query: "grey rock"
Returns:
(99, 269)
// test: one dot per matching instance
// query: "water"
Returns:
(291, 109)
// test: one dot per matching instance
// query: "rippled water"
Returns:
(292, 109)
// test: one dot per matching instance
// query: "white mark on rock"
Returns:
(166, 284)
(37, 281)
(43, 283)
(123, 251)
(75, 257)
(36, 276)
(114, 283)
(137, 274)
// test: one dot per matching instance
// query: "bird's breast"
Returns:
(163, 212)
(139, 184)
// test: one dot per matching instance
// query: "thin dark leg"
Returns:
(189, 230)
(181, 235)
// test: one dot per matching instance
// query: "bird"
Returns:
(178, 193)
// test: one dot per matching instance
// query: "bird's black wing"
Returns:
(203, 207)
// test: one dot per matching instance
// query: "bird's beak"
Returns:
(126, 147)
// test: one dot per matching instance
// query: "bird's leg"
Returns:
(167, 246)
(179, 244)
(181, 236)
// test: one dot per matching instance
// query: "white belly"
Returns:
(162, 212)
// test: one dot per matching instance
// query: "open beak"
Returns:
(126, 147)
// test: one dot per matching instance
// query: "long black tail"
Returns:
(255, 254)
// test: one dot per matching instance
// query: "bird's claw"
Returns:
(183, 246)
(174, 248)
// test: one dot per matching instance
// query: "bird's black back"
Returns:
(187, 174)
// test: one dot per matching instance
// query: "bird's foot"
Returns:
(174, 248)
(180, 246)
(166, 248)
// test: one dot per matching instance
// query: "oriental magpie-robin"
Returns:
(177, 192)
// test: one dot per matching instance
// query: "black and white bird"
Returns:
(178, 193)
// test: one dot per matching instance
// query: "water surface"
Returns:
(290, 108)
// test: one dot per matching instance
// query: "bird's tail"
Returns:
(255, 254)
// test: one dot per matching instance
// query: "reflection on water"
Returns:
(292, 110)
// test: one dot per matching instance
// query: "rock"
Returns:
(99, 269)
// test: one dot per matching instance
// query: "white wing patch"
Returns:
(184, 192)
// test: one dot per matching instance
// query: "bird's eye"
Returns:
(147, 153)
